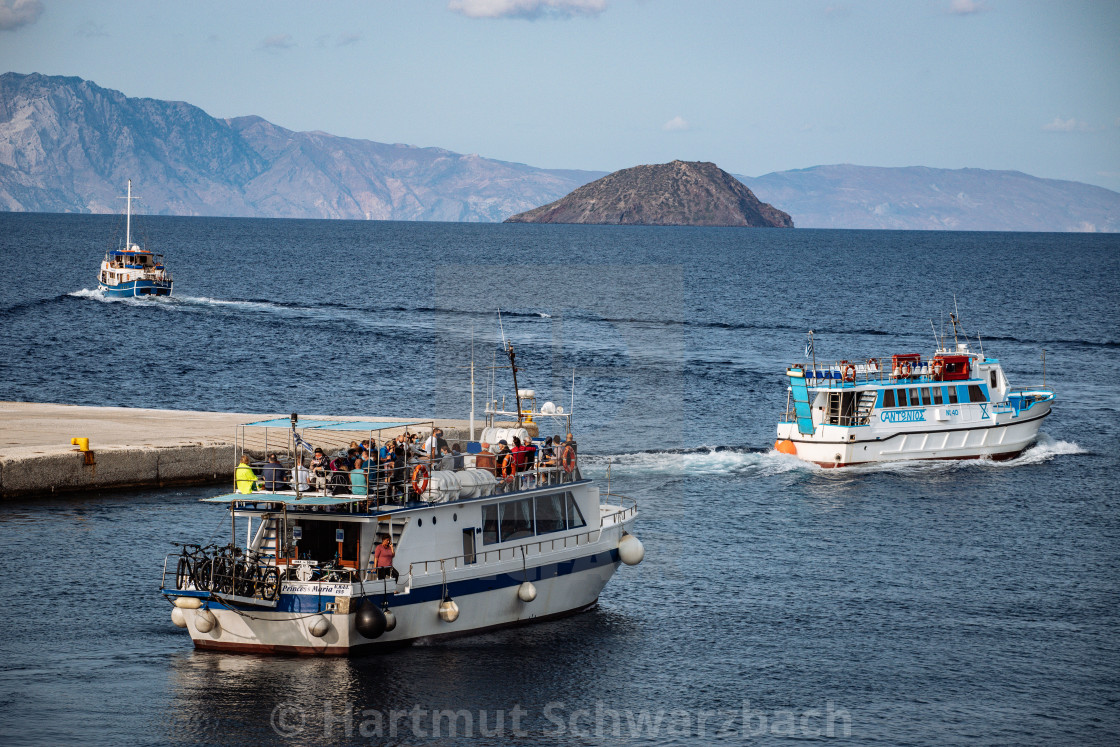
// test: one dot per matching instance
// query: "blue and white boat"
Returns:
(133, 271)
(956, 405)
(482, 543)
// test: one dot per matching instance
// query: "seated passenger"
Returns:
(244, 478)
(302, 478)
(274, 474)
(358, 478)
(457, 456)
(446, 461)
(340, 478)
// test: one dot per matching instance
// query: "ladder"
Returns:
(867, 400)
(801, 406)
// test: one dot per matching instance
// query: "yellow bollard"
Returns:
(81, 443)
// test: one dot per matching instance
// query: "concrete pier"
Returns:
(129, 447)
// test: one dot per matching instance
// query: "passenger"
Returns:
(244, 478)
(502, 460)
(441, 442)
(319, 467)
(548, 455)
(340, 477)
(519, 453)
(457, 456)
(358, 478)
(446, 461)
(301, 478)
(383, 558)
(274, 477)
(431, 444)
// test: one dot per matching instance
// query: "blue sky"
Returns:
(604, 84)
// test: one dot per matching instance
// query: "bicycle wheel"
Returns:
(182, 573)
(223, 576)
(202, 574)
(246, 580)
(270, 584)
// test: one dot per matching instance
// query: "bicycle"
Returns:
(192, 568)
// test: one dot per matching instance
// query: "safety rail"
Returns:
(389, 487)
(627, 508)
(838, 374)
(223, 572)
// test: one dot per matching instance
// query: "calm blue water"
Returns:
(971, 603)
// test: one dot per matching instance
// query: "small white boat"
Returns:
(133, 271)
(956, 405)
(481, 543)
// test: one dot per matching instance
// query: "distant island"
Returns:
(67, 146)
(680, 193)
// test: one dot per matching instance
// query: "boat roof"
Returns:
(335, 425)
(289, 500)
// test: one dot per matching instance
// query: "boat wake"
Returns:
(704, 460)
(740, 460)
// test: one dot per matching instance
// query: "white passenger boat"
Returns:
(133, 271)
(955, 405)
(482, 544)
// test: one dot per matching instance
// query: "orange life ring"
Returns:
(420, 478)
(872, 364)
(568, 459)
(905, 369)
(938, 368)
(509, 466)
(849, 373)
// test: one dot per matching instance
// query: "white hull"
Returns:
(832, 446)
(286, 632)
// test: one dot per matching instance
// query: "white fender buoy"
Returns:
(448, 610)
(630, 550)
(187, 603)
(526, 592)
(318, 626)
(390, 619)
(178, 617)
(205, 621)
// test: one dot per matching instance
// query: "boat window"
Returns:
(888, 398)
(490, 524)
(575, 518)
(976, 394)
(902, 398)
(937, 395)
(925, 396)
(952, 395)
(319, 540)
(516, 519)
(550, 513)
(994, 380)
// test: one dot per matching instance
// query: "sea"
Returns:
(966, 603)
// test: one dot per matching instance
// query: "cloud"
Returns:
(278, 41)
(527, 9)
(965, 7)
(16, 13)
(676, 124)
(1066, 125)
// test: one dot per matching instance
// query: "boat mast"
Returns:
(128, 218)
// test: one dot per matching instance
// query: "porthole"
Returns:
(433, 520)
(454, 517)
(419, 522)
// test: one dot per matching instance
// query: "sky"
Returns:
(751, 85)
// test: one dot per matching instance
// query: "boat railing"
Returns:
(226, 572)
(843, 373)
(387, 484)
(626, 508)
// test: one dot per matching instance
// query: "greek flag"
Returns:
(809, 346)
(301, 444)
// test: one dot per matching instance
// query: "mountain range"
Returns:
(69, 145)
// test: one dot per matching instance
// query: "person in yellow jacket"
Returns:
(244, 478)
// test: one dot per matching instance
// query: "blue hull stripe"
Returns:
(306, 603)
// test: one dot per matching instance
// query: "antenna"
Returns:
(981, 342)
(934, 333)
(512, 365)
(471, 431)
